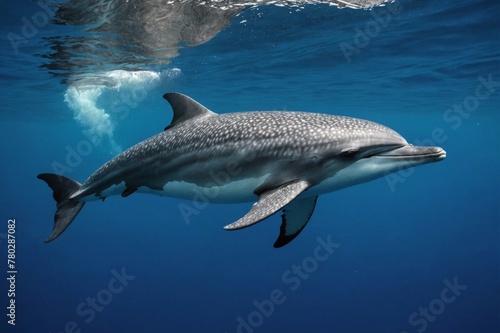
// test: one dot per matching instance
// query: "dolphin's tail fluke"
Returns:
(67, 208)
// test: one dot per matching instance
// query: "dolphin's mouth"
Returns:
(414, 152)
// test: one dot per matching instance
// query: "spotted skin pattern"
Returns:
(279, 160)
(270, 136)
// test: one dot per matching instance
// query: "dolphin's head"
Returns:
(370, 151)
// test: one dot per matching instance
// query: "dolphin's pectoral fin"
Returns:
(269, 203)
(129, 190)
(295, 217)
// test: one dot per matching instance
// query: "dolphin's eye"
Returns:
(349, 153)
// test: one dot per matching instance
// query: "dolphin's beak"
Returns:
(415, 153)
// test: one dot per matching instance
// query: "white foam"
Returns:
(82, 97)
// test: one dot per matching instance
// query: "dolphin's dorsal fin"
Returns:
(185, 109)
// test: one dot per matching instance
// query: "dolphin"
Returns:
(278, 159)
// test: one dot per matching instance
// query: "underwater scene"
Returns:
(232, 166)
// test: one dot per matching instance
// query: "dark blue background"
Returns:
(397, 244)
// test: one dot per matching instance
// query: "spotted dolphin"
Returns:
(279, 160)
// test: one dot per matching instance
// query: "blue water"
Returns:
(399, 242)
